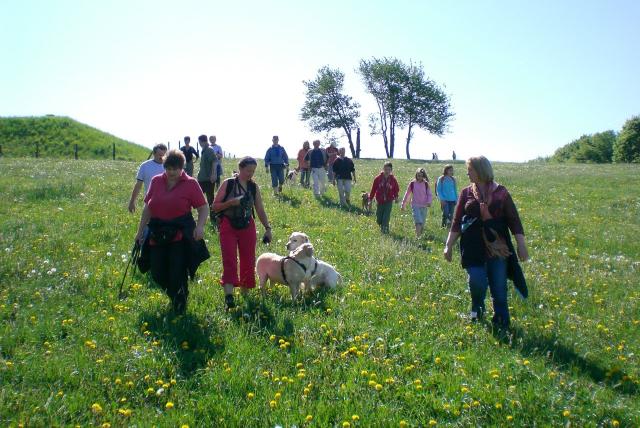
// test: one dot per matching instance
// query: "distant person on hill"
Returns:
(219, 155)
(175, 244)
(188, 152)
(484, 216)
(385, 189)
(208, 167)
(420, 193)
(447, 192)
(344, 172)
(276, 159)
(453, 155)
(146, 172)
(317, 158)
(303, 165)
(236, 200)
(332, 155)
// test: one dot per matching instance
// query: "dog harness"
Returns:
(304, 269)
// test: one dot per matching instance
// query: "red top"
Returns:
(332, 154)
(303, 164)
(501, 207)
(168, 204)
(384, 190)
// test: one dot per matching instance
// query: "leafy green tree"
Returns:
(326, 106)
(385, 79)
(596, 148)
(424, 105)
(627, 146)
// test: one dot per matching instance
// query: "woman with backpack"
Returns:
(235, 203)
(420, 193)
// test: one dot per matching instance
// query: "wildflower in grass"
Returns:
(464, 389)
(169, 405)
(615, 423)
(403, 424)
(566, 413)
(308, 419)
(346, 424)
(272, 337)
(118, 381)
(150, 391)
(438, 360)
(378, 387)
(184, 426)
(96, 408)
(250, 396)
(509, 418)
(125, 412)
(105, 425)
(273, 404)
(184, 345)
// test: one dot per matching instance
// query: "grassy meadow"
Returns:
(393, 346)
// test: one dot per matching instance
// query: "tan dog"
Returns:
(296, 239)
(321, 273)
(290, 270)
(366, 203)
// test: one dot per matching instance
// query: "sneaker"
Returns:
(229, 302)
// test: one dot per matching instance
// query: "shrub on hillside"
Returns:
(596, 148)
(627, 146)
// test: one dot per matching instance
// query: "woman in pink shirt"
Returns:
(420, 193)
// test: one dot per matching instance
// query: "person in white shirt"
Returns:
(146, 172)
(219, 155)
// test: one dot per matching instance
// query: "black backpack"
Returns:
(239, 215)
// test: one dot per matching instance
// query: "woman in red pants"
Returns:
(236, 200)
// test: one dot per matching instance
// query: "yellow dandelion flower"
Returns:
(615, 423)
(272, 404)
(346, 424)
(308, 419)
(169, 405)
(278, 395)
(566, 413)
(432, 422)
(355, 418)
(378, 387)
(403, 424)
(96, 408)
(105, 425)
(250, 395)
(438, 360)
(509, 418)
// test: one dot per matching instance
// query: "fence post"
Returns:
(114, 151)
(75, 151)
(37, 150)
(168, 146)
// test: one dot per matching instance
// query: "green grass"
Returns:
(57, 136)
(399, 320)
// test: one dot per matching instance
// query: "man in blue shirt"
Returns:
(276, 159)
(317, 158)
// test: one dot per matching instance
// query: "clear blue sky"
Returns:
(524, 77)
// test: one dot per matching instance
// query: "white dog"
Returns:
(322, 273)
(290, 270)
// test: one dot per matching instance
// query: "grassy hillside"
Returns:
(393, 346)
(56, 137)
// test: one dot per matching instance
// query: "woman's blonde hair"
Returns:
(423, 172)
(482, 167)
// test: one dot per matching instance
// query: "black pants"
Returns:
(208, 190)
(169, 267)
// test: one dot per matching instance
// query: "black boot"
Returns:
(229, 302)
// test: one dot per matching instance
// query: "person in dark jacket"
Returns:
(173, 233)
(484, 215)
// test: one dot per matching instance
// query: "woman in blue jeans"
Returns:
(484, 215)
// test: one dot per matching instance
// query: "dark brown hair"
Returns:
(174, 159)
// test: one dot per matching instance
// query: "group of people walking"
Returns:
(483, 215)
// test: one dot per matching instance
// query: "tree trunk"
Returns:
(348, 132)
(392, 138)
(409, 140)
(357, 144)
